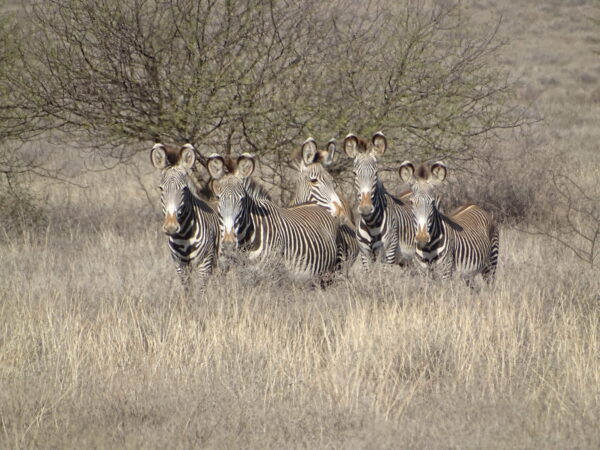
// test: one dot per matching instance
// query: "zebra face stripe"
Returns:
(316, 185)
(232, 209)
(174, 192)
(365, 180)
(425, 206)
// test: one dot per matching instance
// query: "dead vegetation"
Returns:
(99, 348)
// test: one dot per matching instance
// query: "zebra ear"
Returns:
(188, 156)
(158, 155)
(245, 165)
(439, 171)
(216, 166)
(406, 172)
(350, 146)
(309, 151)
(379, 143)
(329, 154)
(213, 185)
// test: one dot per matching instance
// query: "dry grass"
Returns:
(100, 349)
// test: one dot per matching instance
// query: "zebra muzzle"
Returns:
(229, 240)
(171, 225)
(366, 205)
(422, 237)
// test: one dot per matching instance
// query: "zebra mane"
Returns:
(361, 145)
(423, 171)
(256, 190)
(230, 163)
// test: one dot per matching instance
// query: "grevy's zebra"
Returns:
(385, 228)
(465, 242)
(315, 184)
(306, 236)
(191, 224)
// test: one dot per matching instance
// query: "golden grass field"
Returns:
(99, 348)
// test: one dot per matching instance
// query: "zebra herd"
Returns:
(316, 234)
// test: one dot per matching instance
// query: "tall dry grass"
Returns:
(99, 348)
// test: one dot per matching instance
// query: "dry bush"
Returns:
(20, 210)
(533, 185)
(261, 77)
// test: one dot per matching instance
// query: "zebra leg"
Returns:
(390, 254)
(367, 255)
(204, 270)
(184, 272)
(489, 273)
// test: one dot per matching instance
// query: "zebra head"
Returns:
(314, 182)
(175, 192)
(424, 181)
(229, 185)
(366, 178)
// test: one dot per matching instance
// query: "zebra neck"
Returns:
(248, 237)
(438, 244)
(186, 244)
(375, 220)
(192, 230)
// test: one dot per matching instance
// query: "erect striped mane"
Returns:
(256, 190)
(173, 154)
(423, 171)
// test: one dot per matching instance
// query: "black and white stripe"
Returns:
(191, 224)
(314, 184)
(465, 242)
(306, 235)
(384, 228)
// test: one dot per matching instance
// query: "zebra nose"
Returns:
(171, 226)
(422, 237)
(366, 205)
(229, 240)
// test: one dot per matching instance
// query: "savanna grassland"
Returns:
(99, 346)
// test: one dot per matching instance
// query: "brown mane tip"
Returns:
(361, 145)
(423, 171)
(230, 163)
(173, 154)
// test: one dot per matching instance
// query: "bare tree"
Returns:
(19, 209)
(263, 75)
(571, 214)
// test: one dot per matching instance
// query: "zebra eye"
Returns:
(314, 180)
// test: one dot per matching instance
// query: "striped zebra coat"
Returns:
(315, 184)
(464, 243)
(191, 224)
(306, 236)
(384, 229)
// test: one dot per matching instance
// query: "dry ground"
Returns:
(99, 348)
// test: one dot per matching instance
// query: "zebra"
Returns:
(306, 235)
(465, 242)
(315, 184)
(191, 224)
(384, 230)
